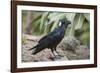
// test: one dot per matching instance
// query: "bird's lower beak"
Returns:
(69, 22)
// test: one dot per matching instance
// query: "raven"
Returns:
(52, 39)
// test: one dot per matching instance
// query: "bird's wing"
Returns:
(49, 36)
(42, 39)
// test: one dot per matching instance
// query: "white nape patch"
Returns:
(59, 23)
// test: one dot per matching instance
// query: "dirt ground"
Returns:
(73, 50)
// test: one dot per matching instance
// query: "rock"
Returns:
(83, 52)
(69, 43)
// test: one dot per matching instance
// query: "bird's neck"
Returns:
(62, 27)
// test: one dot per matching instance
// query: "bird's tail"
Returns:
(37, 49)
(33, 47)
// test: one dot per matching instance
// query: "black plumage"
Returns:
(52, 39)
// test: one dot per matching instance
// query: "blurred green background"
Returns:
(42, 22)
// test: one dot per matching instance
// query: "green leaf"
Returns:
(79, 19)
(87, 16)
(43, 19)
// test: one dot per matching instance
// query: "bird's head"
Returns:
(64, 22)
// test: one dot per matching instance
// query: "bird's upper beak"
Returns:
(68, 22)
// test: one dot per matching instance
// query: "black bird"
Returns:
(52, 39)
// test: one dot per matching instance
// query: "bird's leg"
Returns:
(57, 52)
(56, 56)
(54, 53)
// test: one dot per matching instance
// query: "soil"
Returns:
(80, 52)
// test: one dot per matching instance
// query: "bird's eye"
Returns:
(63, 22)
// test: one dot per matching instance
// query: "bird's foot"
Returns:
(56, 57)
(60, 55)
